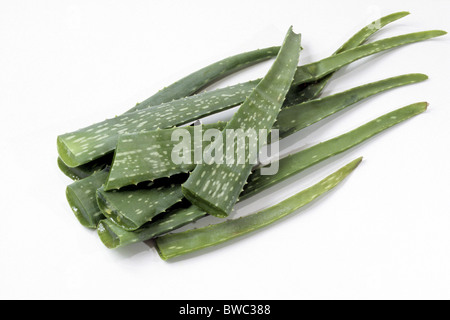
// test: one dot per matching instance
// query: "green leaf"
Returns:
(82, 199)
(85, 170)
(95, 141)
(215, 187)
(146, 156)
(180, 89)
(206, 76)
(177, 244)
(131, 209)
(298, 117)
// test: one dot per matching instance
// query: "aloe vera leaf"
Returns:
(114, 236)
(92, 142)
(216, 187)
(206, 76)
(85, 170)
(130, 209)
(82, 199)
(298, 117)
(317, 70)
(180, 89)
(177, 244)
(140, 157)
(301, 160)
(299, 94)
(147, 156)
(362, 35)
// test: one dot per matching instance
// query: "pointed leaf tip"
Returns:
(439, 33)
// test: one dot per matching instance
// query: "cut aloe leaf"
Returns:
(75, 150)
(86, 170)
(114, 236)
(206, 76)
(146, 156)
(177, 244)
(215, 187)
(180, 89)
(131, 209)
(92, 142)
(82, 199)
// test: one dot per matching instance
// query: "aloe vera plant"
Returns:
(93, 142)
(113, 236)
(209, 185)
(303, 93)
(146, 156)
(141, 139)
(177, 244)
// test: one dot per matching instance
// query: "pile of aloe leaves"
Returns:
(128, 189)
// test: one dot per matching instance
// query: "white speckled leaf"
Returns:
(92, 142)
(215, 187)
(147, 156)
(83, 201)
(176, 244)
(130, 209)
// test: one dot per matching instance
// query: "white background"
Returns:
(384, 233)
